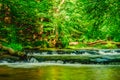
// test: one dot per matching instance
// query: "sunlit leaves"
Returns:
(73, 20)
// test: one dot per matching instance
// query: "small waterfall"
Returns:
(68, 56)
(104, 56)
(75, 52)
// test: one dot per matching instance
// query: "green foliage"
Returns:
(106, 46)
(38, 22)
(42, 44)
(15, 46)
(103, 20)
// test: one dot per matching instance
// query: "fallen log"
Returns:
(102, 42)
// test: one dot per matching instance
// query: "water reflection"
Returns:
(61, 73)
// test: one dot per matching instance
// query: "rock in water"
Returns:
(33, 60)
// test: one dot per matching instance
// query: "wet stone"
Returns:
(80, 51)
(60, 52)
(117, 50)
(93, 52)
(100, 60)
(107, 51)
(49, 52)
(33, 60)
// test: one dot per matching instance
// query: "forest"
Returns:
(59, 24)
(60, 39)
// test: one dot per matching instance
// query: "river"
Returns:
(39, 71)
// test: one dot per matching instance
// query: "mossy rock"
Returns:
(9, 58)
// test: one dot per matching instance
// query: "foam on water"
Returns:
(109, 53)
(32, 62)
(34, 65)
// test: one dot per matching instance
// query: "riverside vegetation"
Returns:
(72, 24)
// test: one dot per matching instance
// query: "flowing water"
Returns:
(63, 65)
(47, 71)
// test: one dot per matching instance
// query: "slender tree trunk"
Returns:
(56, 15)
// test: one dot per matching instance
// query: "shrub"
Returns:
(15, 46)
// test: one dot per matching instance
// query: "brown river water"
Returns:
(59, 72)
